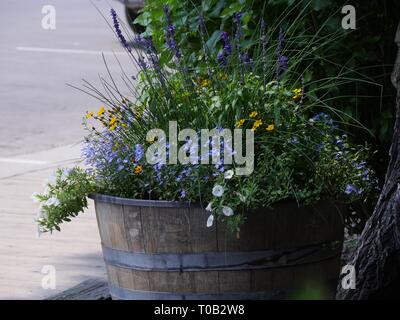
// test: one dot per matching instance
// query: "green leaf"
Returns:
(212, 41)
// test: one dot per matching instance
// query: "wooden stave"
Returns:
(117, 220)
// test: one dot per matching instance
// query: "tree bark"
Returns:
(377, 258)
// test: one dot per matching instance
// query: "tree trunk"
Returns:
(377, 258)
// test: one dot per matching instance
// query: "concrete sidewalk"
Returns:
(75, 252)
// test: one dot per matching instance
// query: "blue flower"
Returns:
(323, 117)
(361, 165)
(351, 189)
(182, 194)
(139, 152)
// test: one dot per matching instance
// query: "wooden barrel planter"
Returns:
(163, 250)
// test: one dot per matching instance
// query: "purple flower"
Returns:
(246, 60)
(203, 32)
(227, 44)
(226, 50)
(202, 23)
(154, 62)
(264, 43)
(283, 61)
(238, 35)
(118, 30)
(221, 59)
(170, 34)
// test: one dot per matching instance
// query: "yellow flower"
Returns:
(256, 125)
(270, 128)
(253, 114)
(101, 111)
(240, 123)
(112, 127)
(205, 83)
(113, 121)
(89, 114)
(297, 93)
(138, 169)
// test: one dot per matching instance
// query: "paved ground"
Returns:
(37, 110)
(75, 252)
(39, 129)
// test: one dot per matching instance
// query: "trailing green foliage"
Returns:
(64, 197)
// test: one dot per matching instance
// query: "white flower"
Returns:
(218, 191)
(228, 174)
(210, 221)
(216, 102)
(227, 211)
(209, 208)
(34, 197)
(53, 201)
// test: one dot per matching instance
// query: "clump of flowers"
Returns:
(300, 154)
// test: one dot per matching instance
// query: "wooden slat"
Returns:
(183, 230)
(91, 289)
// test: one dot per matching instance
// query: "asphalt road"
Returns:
(38, 110)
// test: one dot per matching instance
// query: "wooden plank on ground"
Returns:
(91, 289)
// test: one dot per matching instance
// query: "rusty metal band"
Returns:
(210, 261)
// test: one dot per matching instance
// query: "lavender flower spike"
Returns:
(237, 20)
(264, 43)
(283, 61)
(226, 50)
(118, 30)
(170, 34)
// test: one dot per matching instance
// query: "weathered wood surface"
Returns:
(152, 230)
(75, 252)
(91, 289)
(377, 258)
